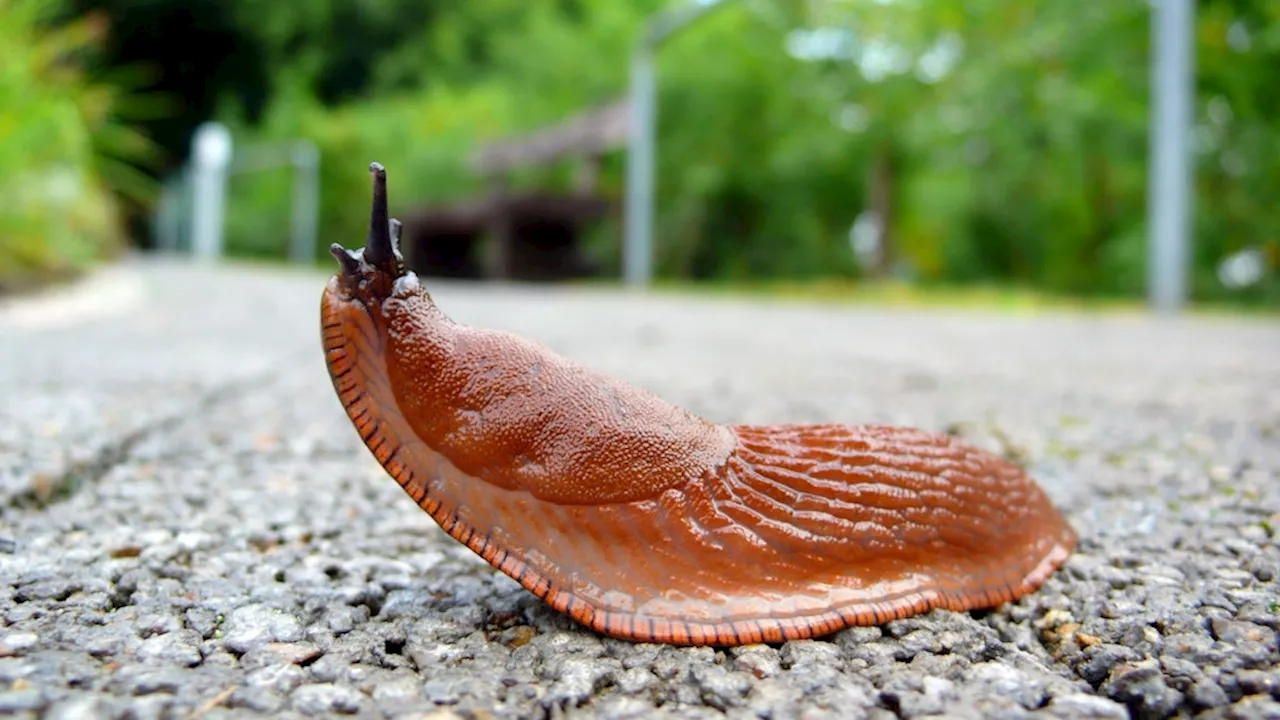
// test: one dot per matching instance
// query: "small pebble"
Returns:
(19, 642)
(325, 699)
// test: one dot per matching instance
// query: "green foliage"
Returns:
(61, 148)
(1018, 177)
(424, 138)
(1017, 132)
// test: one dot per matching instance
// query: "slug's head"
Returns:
(370, 273)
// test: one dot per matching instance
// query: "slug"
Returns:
(645, 522)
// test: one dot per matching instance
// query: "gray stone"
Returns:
(326, 699)
(345, 618)
(1206, 694)
(876, 654)
(259, 699)
(1258, 707)
(176, 648)
(301, 653)
(77, 707)
(1101, 659)
(329, 668)
(1009, 682)
(577, 680)
(1236, 632)
(1180, 669)
(149, 624)
(252, 626)
(1086, 706)
(636, 680)
(624, 708)
(47, 590)
(1196, 648)
(935, 695)
(203, 621)
(1142, 688)
(443, 690)
(19, 642)
(720, 688)
(152, 707)
(800, 654)
(280, 679)
(397, 690)
(15, 701)
(142, 680)
(760, 661)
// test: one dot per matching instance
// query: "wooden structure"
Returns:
(531, 236)
(521, 235)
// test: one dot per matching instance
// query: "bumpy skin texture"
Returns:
(510, 413)
(645, 522)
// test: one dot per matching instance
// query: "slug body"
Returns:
(646, 522)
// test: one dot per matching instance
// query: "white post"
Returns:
(210, 156)
(306, 203)
(1169, 168)
(637, 257)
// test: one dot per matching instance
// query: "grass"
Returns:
(988, 297)
(900, 294)
(29, 282)
(66, 155)
(979, 297)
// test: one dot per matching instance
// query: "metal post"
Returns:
(168, 215)
(638, 249)
(306, 170)
(637, 253)
(211, 154)
(1169, 173)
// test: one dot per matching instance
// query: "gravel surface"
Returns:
(190, 527)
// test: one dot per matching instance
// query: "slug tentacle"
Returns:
(643, 521)
(378, 250)
(369, 275)
(380, 246)
(348, 261)
(396, 227)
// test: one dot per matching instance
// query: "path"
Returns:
(197, 529)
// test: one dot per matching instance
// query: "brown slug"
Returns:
(643, 521)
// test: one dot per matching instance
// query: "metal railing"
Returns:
(192, 206)
(1169, 171)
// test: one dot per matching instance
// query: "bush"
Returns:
(58, 146)
(1007, 142)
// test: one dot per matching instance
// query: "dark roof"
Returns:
(590, 133)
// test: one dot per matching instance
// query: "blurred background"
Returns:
(834, 146)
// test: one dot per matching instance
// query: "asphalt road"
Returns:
(190, 527)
